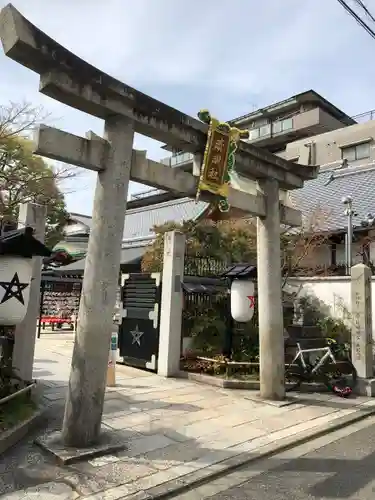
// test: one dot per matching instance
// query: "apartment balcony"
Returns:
(306, 124)
(179, 160)
(276, 135)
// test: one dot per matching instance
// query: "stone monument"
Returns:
(361, 327)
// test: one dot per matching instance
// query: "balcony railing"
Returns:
(268, 130)
(146, 194)
(365, 117)
(174, 160)
(271, 129)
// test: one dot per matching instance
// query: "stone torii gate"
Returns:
(72, 81)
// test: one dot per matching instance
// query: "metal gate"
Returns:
(139, 332)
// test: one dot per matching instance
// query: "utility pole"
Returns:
(85, 400)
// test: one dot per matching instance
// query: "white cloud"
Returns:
(230, 56)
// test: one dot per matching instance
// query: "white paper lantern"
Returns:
(15, 277)
(242, 300)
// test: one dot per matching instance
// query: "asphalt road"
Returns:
(338, 466)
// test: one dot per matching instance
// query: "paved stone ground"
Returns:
(173, 429)
(338, 466)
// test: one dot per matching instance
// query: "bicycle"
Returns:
(339, 376)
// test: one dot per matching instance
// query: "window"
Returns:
(357, 152)
(265, 131)
(287, 124)
(180, 158)
(277, 127)
(261, 122)
(254, 133)
(282, 125)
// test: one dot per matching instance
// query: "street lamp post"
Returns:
(368, 222)
(349, 212)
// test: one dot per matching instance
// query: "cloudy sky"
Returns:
(231, 57)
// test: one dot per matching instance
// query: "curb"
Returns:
(201, 378)
(12, 436)
(171, 489)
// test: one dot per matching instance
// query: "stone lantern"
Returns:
(17, 248)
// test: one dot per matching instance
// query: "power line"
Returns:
(360, 21)
(361, 4)
(356, 17)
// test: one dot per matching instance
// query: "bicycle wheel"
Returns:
(293, 378)
(341, 378)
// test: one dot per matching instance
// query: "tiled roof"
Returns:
(321, 198)
(320, 201)
(129, 255)
(140, 221)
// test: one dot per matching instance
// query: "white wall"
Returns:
(328, 145)
(333, 291)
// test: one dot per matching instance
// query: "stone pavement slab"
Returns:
(48, 491)
(176, 431)
(337, 465)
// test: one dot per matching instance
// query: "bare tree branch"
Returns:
(25, 177)
(20, 119)
(301, 244)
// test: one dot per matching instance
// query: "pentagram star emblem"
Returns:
(13, 288)
(252, 301)
(136, 334)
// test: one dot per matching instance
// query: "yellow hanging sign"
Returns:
(219, 158)
(215, 162)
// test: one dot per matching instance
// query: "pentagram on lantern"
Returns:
(13, 289)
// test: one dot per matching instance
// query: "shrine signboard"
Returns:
(219, 159)
(214, 170)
